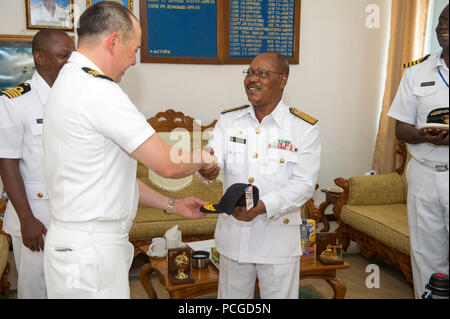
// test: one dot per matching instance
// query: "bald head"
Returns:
(281, 62)
(51, 50)
(43, 39)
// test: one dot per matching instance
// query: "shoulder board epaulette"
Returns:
(407, 65)
(19, 90)
(235, 108)
(303, 116)
(96, 73)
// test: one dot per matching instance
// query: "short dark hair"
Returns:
(42, 38)
(104, 18)
(283, 63)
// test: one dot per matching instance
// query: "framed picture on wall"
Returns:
(16, 60)
(126, 3)
(49, 14)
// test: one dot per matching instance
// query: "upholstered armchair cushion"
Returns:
(386, 223)
(383, 189)
(151, 222)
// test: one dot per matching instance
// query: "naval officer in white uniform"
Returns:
(93, 137)
(276, 148)
(424, 91)
(21, 160)
(48, 12)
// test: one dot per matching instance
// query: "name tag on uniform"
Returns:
(237, 139)
(39, 121)
(431, 83)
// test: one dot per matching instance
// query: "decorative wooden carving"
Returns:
(170, 120)
(4, 283)
(312, 211)
(403, 153)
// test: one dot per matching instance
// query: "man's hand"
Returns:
(189, 207)
(210, 171)
(436, 136)
(32, 234)
(241, 213)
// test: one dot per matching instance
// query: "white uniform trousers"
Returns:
(87, 265)
(276, 281)
(428, 196)
(30, 270)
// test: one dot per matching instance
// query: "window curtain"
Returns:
(407, 42)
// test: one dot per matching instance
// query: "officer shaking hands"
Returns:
(421, 111)
(276, 148)
(93, 137)
(21, 160)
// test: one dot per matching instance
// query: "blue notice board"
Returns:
(182, 28)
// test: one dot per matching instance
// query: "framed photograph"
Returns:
(16, 60)
(126, 3)
(49, 14)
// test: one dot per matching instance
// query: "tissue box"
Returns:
(311, 223)
(215, 257)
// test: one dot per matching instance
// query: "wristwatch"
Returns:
(170, 205)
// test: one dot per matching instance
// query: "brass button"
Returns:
(258, 131)
(281, 160)
(255, 155)
(286, 221)
(40, 195)
(251, 180)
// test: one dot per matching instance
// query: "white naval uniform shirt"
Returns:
(21, 137)
(414, 102)
(91, 127)
(40, 16)
(285, 179)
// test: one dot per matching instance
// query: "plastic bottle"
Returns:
(304, 233)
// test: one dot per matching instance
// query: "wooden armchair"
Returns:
(372, 211)
(5, 243)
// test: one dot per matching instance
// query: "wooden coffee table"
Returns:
(206, 280)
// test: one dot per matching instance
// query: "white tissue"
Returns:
(171, 233)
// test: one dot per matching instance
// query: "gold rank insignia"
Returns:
(235, 108)
(305, 117)
(209, 208)
(407, 65)
(96, 73)
(17, 91)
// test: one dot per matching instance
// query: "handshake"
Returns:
(210, 169)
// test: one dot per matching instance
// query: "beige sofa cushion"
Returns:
(152, 222)
(386, 223)
(377, 190)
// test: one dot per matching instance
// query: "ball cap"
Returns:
(234, 196)
(438, 116)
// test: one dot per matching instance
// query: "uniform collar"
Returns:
(80, 59)
(276, 115)
(438, 61)
(41, 86)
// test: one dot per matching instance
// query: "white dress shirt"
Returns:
(41, 16)
(421, 91)
(90, 129)
(285, 178)
(21, 122)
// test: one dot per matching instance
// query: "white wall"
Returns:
(340, 80)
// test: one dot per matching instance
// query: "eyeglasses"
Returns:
(259, 73)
